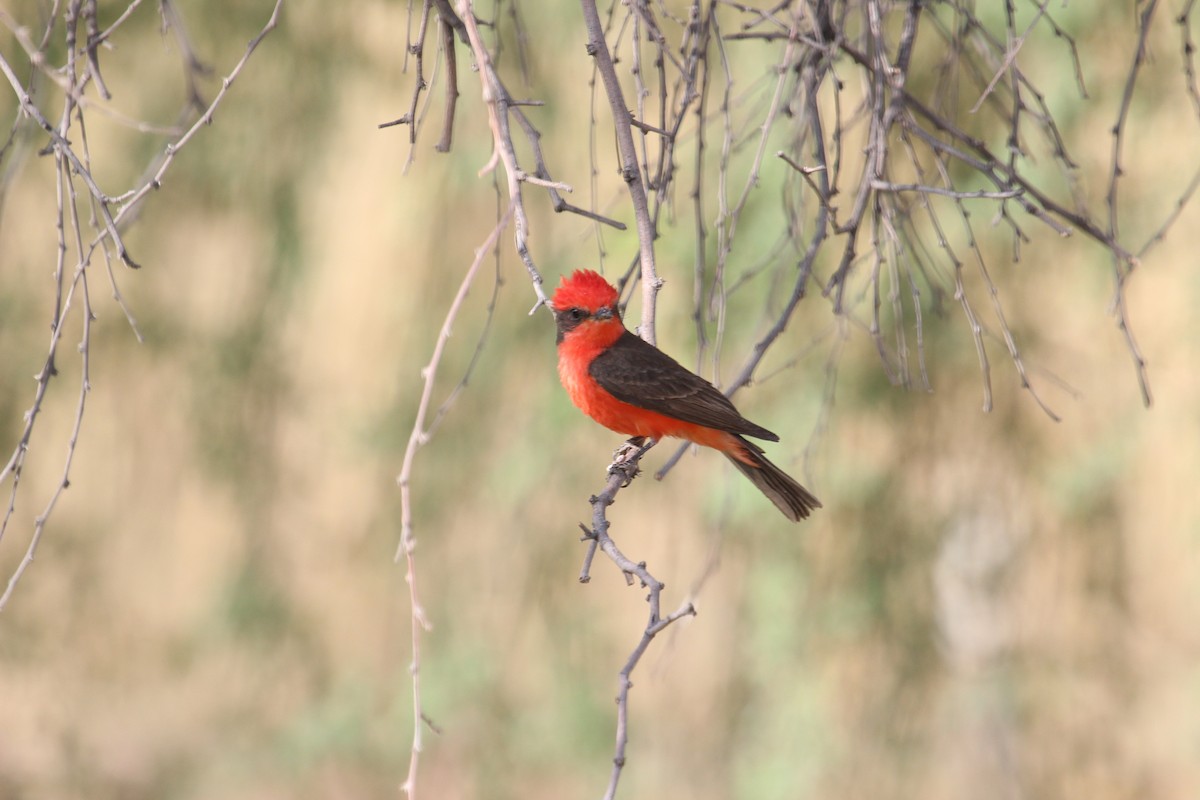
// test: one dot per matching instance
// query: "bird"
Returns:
(630, 386)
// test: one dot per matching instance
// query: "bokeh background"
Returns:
(990, 605)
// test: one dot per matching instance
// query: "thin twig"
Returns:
(1121, 267)
(418, 437)
(447, 31)
(884, 186)
(1188, 49)
(79, 283)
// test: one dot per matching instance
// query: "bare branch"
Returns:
(598, 49)
(72, 159)
(884, 186)
(495, 97)
(1119, 269)
(443, 145)
(621, 473)
(1188, 48)
(418, 437)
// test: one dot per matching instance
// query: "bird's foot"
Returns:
(628, 470)
(626, 451)
(625, 458)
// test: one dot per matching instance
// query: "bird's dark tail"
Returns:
(790, 497)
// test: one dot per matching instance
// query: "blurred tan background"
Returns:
(989, 606)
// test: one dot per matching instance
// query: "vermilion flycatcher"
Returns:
(635, 389)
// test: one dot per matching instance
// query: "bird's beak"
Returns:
(603, 313)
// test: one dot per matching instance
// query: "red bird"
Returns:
(632, 387)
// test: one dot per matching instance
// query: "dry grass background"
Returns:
(989, 605)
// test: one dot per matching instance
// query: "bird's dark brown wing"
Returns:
(640, 374)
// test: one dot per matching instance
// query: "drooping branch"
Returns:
(418, 437)
(68, 143)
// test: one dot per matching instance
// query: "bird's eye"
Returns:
(576, 314)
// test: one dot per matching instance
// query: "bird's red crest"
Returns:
(584, 289)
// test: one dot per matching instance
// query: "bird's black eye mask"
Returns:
(571, 318)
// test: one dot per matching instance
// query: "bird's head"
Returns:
(584, 298)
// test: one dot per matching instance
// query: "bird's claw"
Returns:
(628, 470)
(625, 460)
(625, 451)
